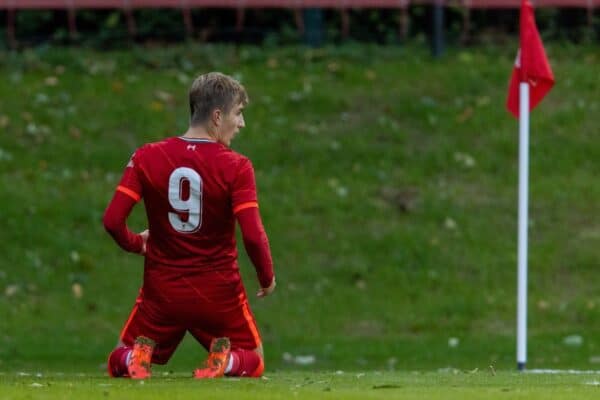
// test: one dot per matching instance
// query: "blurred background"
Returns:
(386, 166)
(114, 23)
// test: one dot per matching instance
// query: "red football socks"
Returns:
(117, 362)
(246, 363)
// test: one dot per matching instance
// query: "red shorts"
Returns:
(206, 304)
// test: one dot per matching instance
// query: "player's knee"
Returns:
(258, 372)
(260, 367)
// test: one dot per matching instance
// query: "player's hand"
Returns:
(268, 290)
(145, 235)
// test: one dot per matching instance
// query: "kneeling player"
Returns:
(194, 189)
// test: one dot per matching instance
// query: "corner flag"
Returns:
(531, 80)
(531, 65)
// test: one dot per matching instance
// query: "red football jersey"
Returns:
(191, 190)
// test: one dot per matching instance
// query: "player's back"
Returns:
(188, 187)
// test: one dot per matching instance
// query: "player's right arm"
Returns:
(126, 196)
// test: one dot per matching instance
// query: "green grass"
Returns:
(388, 187)
(448, 385)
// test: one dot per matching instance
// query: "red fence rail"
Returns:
(589, 4)
(64, 4)
(134, 4)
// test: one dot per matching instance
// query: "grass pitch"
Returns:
(447, 385)
(388, 187)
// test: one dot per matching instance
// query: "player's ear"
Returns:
(217, 116)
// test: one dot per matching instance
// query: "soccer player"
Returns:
(194, 189)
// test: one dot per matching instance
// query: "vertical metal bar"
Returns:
(437, 40)
(313, 22)
(523, 225)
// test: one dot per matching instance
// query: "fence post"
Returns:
(187, 21)
(72, 18)
(240, 19)
(464, 36)
(345, 16)
(313, 27)
(403, 21)
(437, 41)
(11, 35)
(299, 20)
(590, 18)
(131, 26)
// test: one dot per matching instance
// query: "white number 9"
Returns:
(192, 205)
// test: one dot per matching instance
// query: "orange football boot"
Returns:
(140, 361)
(215, 364)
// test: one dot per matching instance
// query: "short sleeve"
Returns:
(243, 193)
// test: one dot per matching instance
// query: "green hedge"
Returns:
(101, 28)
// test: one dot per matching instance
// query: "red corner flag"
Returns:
(531, 65)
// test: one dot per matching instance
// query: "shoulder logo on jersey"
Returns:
(191, 147)
(130, 163)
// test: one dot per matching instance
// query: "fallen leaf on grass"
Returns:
(465, 115)
(77, 290)
(117, 86)
(156, 106)
(51, 81)
(5, 155)
(573, 340)
(333, 67)
(164, 97)
(300, 359)
(11, 290)
(4, 121)
(450, 224)
(74, 132)
(465, 159)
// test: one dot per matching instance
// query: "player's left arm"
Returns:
(257, 247)
(256, 242)
(126, 196)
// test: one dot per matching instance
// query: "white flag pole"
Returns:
(523, 224)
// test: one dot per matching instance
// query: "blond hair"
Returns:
(211, 91)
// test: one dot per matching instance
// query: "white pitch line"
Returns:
(562, 371)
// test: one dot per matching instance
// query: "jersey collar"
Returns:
(196, 140)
